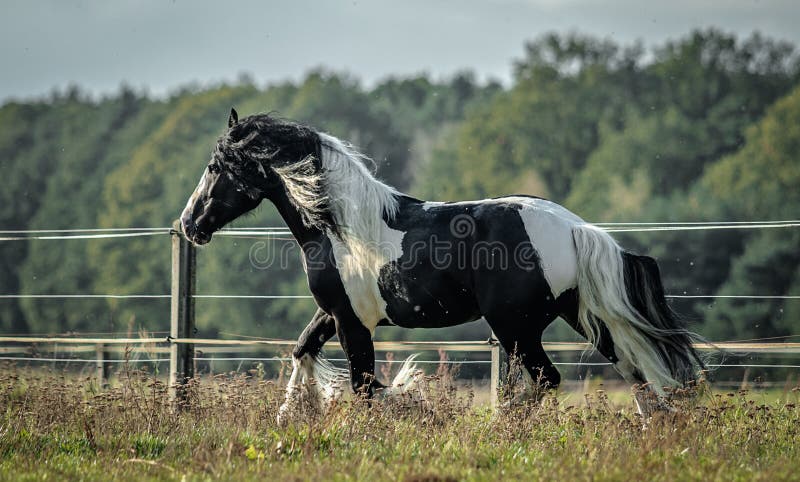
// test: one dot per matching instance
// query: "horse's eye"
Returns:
(213, 168)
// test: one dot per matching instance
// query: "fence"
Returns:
(181, 345)
(182, 356)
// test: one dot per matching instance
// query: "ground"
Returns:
(55, 426)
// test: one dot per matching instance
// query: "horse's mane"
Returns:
(331, 185)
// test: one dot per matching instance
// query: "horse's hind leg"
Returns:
(526, 344)
(309, 372)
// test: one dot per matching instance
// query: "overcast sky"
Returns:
(160, 44)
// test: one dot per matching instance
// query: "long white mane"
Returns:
(356, 199)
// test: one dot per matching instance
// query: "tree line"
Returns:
(705, 127)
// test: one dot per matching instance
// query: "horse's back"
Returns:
(465, 258)
(543, 263)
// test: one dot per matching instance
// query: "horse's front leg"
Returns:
(357, 345)
(356, 341)
(311, 375)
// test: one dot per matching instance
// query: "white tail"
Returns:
(603, 296)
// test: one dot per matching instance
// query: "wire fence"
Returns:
(99, 233)
(275, 297)
(145, 351)
(621, 227)
(104, 346)
(161, 345)
(612, 225)
(344, 360)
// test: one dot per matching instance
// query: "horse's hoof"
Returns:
(284, 415)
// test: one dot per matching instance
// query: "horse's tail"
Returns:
(623, 291)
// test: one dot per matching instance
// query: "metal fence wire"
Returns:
(181, 345)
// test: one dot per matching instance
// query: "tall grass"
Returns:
(58, 426)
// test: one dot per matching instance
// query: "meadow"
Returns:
(60, 426)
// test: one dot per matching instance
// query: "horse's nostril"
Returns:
(187, 225)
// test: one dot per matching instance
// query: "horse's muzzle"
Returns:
(192, 233)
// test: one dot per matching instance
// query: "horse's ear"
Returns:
(233, 119)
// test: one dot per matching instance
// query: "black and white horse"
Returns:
(375, 256)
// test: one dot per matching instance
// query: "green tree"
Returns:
(92, 148)
(759, 182)
(534, 137)
(150, 189)
(28, 156)
(768, 266)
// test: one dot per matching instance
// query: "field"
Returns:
(57, 426)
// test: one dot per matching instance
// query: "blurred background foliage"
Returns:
(706, 127)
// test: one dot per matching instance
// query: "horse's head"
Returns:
(224, 193)
(243, 171)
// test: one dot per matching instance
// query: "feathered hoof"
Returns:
(650, 403)
(296, 408)
(284, 417)
(314, 385)
(302, 405)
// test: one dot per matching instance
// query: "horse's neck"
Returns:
(291, 216)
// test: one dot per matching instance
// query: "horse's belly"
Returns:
(426, 302)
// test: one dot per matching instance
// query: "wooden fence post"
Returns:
(181, 355)
(499, 369)
(103, 367)
(494, 379)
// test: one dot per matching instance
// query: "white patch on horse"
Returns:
(359, 203)
(201, 186)
(359, 266)
(549, 227)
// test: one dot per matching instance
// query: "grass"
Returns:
(55, 426)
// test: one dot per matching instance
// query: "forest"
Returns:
(705, 127)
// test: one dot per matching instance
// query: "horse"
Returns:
(375, 256)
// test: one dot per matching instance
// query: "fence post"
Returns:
(103, 368)
(494, 380)
(181, 355)
(499, 370)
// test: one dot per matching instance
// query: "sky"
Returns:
(160, 45)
